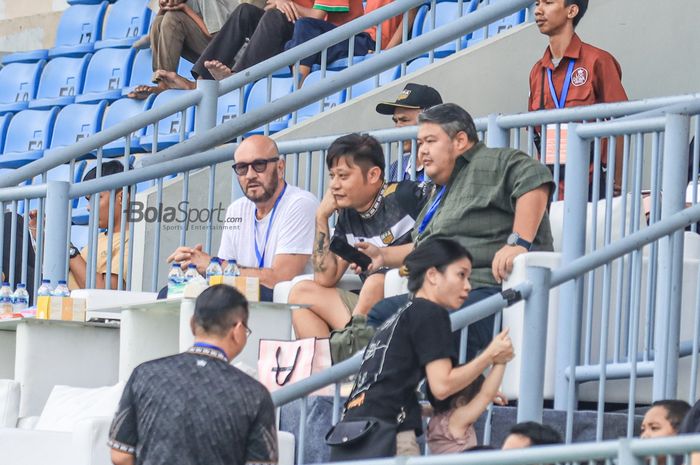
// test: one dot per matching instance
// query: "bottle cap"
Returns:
(5, 283)
(175, 265)
(62, 281)
(21, 286)
(45, 281)
(191, 265)
(232, 261)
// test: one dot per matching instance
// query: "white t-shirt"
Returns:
(292, 229)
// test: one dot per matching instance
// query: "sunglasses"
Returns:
(259, 166)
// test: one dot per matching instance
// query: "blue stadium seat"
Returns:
(79, 29)
(107, 73)
(75, 122)
(257, 97)
(61, 80)
(328, 103)
(417, 64)
(227, 106)
(369, 84)
(340, 64)
(119, 111)
(446, 12)
(168, 127)
(19, 84)
(28, 136)
(127, 21)
(184, 68)
(417, 28)
(494, 28)
(4, 123)
(141, 70)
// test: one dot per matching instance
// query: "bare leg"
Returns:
(304, 71)
(325, 311)
(172, 80)
(217, 69)
(371, 293)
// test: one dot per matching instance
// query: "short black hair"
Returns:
(108, 168)
(537, 433)
(438, 253)
(452, 118)
(676, 410)
(582, 7)
(361, 149)
(218, 308)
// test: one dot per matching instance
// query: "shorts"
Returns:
(406, 443)
(348, 298)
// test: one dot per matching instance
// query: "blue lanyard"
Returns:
(561, 102)
(261, 256)
(210, 346)
(431, 211)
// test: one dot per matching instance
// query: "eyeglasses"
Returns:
(248, 331)
(258, 165)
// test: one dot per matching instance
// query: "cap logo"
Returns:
(403, 95)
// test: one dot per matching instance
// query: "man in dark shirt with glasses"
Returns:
(269, 231)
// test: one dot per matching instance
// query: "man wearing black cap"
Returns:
(413, 99)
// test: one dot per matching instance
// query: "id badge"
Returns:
(551, 148)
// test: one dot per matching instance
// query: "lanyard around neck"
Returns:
(431, 211)
(261, 256)
(203, 346)
(560, 102)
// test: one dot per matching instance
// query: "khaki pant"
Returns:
(173, 35)
(406, 443)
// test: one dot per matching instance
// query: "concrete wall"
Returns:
(28, 25)
(493, 77)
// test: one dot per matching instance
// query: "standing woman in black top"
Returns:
(416, 343)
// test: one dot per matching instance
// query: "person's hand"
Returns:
(187, 255)
(328, 205)
(500, 399)
(500, 350)
(287, 7)
(373, 252)
(502, 263)
(32, 222)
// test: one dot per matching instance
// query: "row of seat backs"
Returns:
(107, 75)
(80, 30)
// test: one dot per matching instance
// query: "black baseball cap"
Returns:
(413, 96)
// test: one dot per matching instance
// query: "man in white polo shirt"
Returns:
(269, 232)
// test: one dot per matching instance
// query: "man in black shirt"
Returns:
(369, 210)
(195, 408)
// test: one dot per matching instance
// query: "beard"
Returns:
(268, 191)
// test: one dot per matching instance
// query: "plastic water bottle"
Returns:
(5, 298)
(61, 290)
(44, 289)
(176, 278)
(20, 298)
(214, 268)
(191, 272)
(232, 269)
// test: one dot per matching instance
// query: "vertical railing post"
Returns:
(496, 136)
(670, 259)
(625, 456)
(205, 116)
(534, 345)
(573, 247)
(57, 218)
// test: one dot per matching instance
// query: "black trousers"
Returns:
(266, 32)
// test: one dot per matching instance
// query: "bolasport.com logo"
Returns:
(183, 216)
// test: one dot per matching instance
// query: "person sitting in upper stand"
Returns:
(365, 42)
(370, 211)
(251, 35)
(269, 231)
(491, 200)
(572, 73)
(404, 111)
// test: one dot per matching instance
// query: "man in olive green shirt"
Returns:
(491, 200)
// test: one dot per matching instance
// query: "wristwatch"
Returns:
(515, 239)
(73, 252)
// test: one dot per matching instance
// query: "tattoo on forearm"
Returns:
(320, 252)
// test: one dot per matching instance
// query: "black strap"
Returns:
(542, 91)
(278, 369)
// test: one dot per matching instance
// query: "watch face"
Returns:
(513, 239)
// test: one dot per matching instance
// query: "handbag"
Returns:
(364, 438)
(353, 338)
(281, 363)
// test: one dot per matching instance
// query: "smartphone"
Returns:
(349, 253)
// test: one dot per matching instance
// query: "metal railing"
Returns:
(210, 133)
